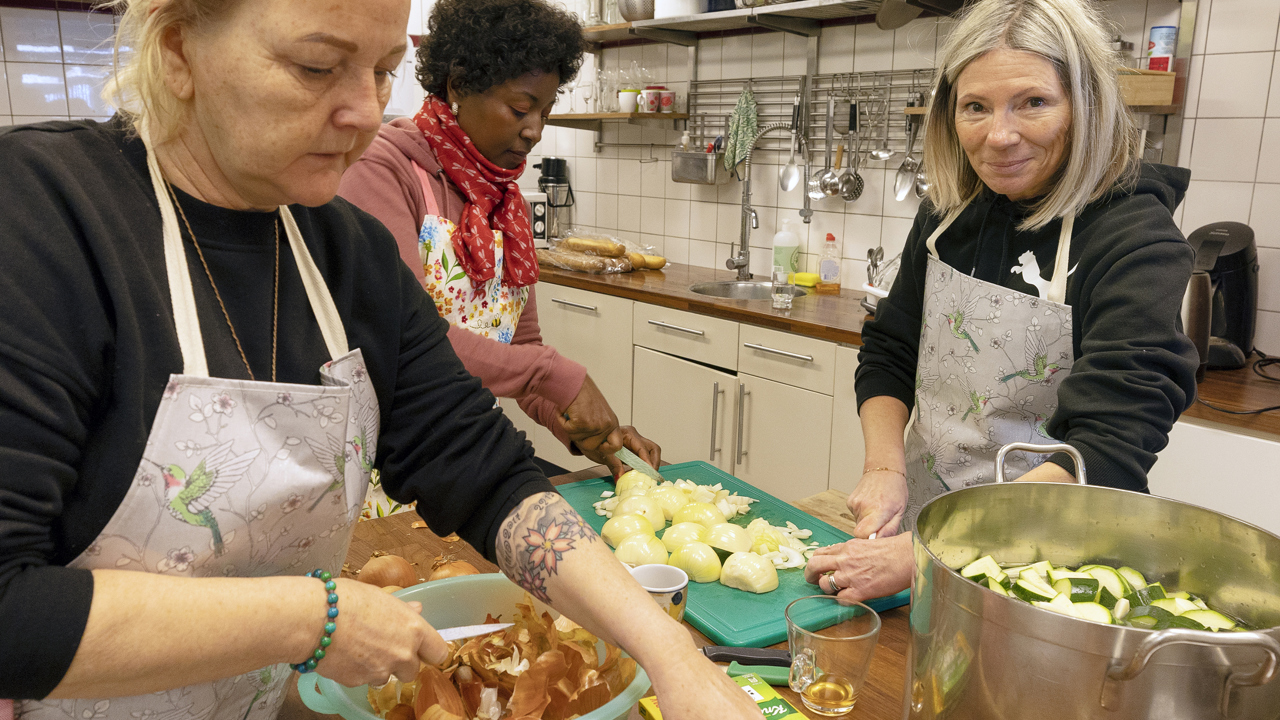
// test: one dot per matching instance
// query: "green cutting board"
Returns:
(728, 616)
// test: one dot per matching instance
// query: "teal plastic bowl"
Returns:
(449, 603)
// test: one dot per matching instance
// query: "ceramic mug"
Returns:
(668, 101)
(627, 100)
(667, 585)
(651, 100)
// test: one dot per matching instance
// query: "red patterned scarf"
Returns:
(493, 202)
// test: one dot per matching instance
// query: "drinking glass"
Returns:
(782, 288)
(586, 86)
(831, 641)
(593, 15)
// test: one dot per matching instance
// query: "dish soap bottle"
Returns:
(829, 268)
(786, 247)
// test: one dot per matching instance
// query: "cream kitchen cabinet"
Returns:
(848, 453)
(687, 408)
(594, 330)
(783, 442)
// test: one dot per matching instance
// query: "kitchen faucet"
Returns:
(741, 260)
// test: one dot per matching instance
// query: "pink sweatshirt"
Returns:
(384, 184)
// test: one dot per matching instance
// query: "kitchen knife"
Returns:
(466, 631)
(748, 656)
(635, 463)
(767, 673)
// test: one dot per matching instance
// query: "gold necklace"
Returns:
(275, 311)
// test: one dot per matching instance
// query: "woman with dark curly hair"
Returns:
(444, 183)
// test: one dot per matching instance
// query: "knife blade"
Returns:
(633, 461)
(748, 656)
(466, 631)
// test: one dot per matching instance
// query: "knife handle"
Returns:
(748, 656)
(772, 675)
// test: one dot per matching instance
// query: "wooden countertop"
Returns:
(881, 697)
(840, 319)
(827, 317)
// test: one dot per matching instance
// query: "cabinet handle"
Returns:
(580, 306)
(691, 331)
(715, 411)
(742, 406)
(783, 353)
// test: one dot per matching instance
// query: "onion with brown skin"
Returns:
(384, 570)
(453, 568)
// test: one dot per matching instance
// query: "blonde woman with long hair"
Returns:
(1039, 289)
(205, 356)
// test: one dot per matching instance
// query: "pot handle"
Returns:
(1120, 672)
(1043, 450)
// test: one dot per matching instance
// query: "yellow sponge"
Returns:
(806, 279)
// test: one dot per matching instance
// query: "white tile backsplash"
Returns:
(30, 35)
(1264, 216)
(1226, 149)
(1242, 26)
(86, 37)
(1269, 279)
(1209, 202)
(1267, 339)
(1269, 155)
(1235, 85)
(874, 48)
(37, 89)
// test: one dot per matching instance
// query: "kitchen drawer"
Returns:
(790, 359)
(697, 337)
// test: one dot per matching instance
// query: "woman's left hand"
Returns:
(690, 687)
(863, 569)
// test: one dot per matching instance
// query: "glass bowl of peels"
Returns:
(544, 666)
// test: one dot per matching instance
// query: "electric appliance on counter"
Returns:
(538, 217)
(554, 181)
(1220, 308)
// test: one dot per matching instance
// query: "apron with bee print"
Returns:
(491, 310)
(987, 372)
(238, 478)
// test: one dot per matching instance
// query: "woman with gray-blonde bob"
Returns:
(206, 355)
(1038, 295)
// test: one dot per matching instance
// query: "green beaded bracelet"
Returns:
(329, 626)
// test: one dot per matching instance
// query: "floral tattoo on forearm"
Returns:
(535, 538)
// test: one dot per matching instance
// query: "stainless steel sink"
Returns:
(740, 290)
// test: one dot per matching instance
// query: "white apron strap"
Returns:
(1061, 263)
(185, 316)
(932, 242)
(181, 296)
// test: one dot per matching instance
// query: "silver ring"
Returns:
(831, 575)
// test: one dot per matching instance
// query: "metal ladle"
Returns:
(829, 180)
(922, 182)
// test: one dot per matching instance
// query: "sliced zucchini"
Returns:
(1133, 577)
(1092, 611)
(1167, 604)
(981, 569)
(996, 587)
(1015, 570)
(1111, 580)
(1210, 619)
(1180, 594)
(1199, 603)
(1033, 592)
(1057, 574)
(1042, 569)
(1059, 604)
(1108, 601)
(1034, 578)
(1147, 616)
(1078, 590)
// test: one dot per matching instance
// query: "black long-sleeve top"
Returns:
(87, 344)
(1133, 371)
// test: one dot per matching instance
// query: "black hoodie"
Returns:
(1134, 370)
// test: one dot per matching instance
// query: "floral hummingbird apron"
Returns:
(989, 362)
(238, 478)
(491, 311)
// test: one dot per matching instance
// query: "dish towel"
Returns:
(743, 125)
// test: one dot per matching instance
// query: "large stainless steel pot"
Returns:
(976, 654)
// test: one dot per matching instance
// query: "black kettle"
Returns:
(1220, 308)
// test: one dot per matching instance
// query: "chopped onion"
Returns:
(699, 560)
(699, 512)
(670, 498)
(641, 549)
(619, 527)
(632, 480)
(729, 538)
(682, 534)
(749, 571)
(642, 505)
